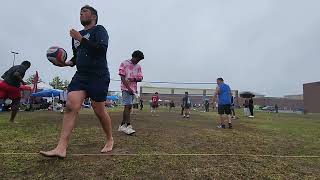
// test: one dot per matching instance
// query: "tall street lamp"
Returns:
(14, 57)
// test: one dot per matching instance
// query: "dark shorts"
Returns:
(224, 109)
(96, 88)
(187, 106)
(154, 105)
(135, 106)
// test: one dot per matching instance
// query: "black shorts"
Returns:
(96, 88)
(135, 106)
(187, 106)
(155, 105)
(224, 109)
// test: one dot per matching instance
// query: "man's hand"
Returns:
(131, 92)
(69, 63)
(132, 80)
(76, 35)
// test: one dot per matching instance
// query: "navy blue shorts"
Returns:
(96, 88)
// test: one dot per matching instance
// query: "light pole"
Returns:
(14, 57)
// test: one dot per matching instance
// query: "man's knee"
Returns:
(72, 107)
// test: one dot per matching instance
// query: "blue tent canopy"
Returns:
(113, 98)
(47, 93)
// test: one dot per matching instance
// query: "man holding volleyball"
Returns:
(91, 79)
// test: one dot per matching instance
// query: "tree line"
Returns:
(56, 82)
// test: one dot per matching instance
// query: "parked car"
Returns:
(269, 108)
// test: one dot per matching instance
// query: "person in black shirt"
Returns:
(10, 86)
(141, 104)
(233, 113)
(171, 105)
(251, 106)
(206, 105)
(91, 79)
(186, 102)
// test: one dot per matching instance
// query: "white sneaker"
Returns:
(122, 128)
(129, 130)
(251, 116)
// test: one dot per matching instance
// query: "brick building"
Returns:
(311, 97)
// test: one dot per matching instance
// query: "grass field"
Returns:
(165, 147)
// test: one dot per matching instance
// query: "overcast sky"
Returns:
(265, 46)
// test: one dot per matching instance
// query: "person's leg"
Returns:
(105, 120)
(246, 112)
(127, 103)
(127, 128)
(131, 111)
(182, 109)
(188, 112)
(251, 111)
(228, 113)
(14, 109)
(126, 114)
(74, 102)
(221, 116)
(233, 114)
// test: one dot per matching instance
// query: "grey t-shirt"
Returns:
(9, 77)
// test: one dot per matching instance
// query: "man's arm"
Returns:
(18, 76)
(125, 83)
(139, 76)
(72, 61)
(216, 93)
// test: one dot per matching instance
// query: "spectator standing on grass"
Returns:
(223, 94)
(171, 105)
(276, 108)
(233, 113)
(130, 73)
(206, 105)
(141, 104)
(154, 104)
(251, 107)
(186, 102)
(246, 107)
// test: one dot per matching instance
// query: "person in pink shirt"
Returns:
(130, 73)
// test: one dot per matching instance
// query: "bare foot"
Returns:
(54, 153)
(108, 147)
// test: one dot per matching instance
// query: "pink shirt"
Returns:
(130, 71)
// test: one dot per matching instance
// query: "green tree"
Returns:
(56, 83)
(30, 79)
